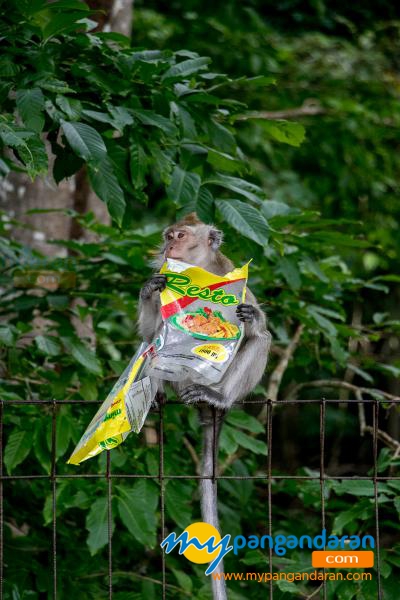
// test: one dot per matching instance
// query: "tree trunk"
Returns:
(18, 194)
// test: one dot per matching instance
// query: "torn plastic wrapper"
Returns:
(124, 410)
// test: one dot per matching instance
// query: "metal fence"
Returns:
(54, 477)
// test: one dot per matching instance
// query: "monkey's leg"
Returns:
(211, 420)
(246, 370)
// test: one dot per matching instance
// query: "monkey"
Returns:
(196, 243)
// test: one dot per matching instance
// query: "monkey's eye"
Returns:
(181, 234)
(170, 236)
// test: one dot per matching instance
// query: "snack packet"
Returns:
(124, 410)
(201, 332)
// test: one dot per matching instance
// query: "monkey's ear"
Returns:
(215, 238)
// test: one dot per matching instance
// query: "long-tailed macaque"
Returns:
(198, 244)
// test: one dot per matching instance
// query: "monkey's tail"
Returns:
(211, 420)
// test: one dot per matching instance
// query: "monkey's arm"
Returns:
(149, 319)
(252, 316)
(248, 366)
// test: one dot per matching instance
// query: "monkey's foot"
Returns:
(200, 393)
(246, 312)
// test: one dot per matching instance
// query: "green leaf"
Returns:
(161, 161)
(6, 335)
(18, 446)
(8, 68)
(184, 187)
(30, 104)
(225, 162)
(48, 344)
(185, 582)
(61, 23)
(85, 141)
(397, 504)
(96, 115)
(312, 267)
(287, 586)
(137, 507)
(328, 312)
(285, 131)
(205, 205)
(88, 390)
(138, 164)
(355, 488)
(63, 431)
(260, 80)
(83, 355)
(343, 519)
(33, 154)
(363, 374)
(121, 117)
(4, 168)
(149, 117)
(247, 220)
(228, 441)
(71, 107)
(256, 446)
(177, 502)
(273, 208)
(325, 324)
(240, 186)
(40, 446)
(97, 525)
(186, 68)
(221, 138)
(113, 36)
(187, 123)
(106, 186)
(239, 418)
(56, 86)
(14, 136)
(290, 271)
(338, 352)
(68, 5)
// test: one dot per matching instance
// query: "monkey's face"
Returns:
(180, 244)
(195, 244)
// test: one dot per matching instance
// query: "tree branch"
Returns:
(309, 109)
(341, 384)
(193, 454)
(277, 374)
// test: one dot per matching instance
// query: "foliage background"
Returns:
(293, 152)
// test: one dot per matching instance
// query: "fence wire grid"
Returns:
(162, 477)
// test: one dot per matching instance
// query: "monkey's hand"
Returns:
(247, 313)
(201, 393)
(157, 283)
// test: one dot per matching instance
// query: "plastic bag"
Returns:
(201, 332)
(124, 410)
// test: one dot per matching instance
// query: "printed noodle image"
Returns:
(208, 323)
